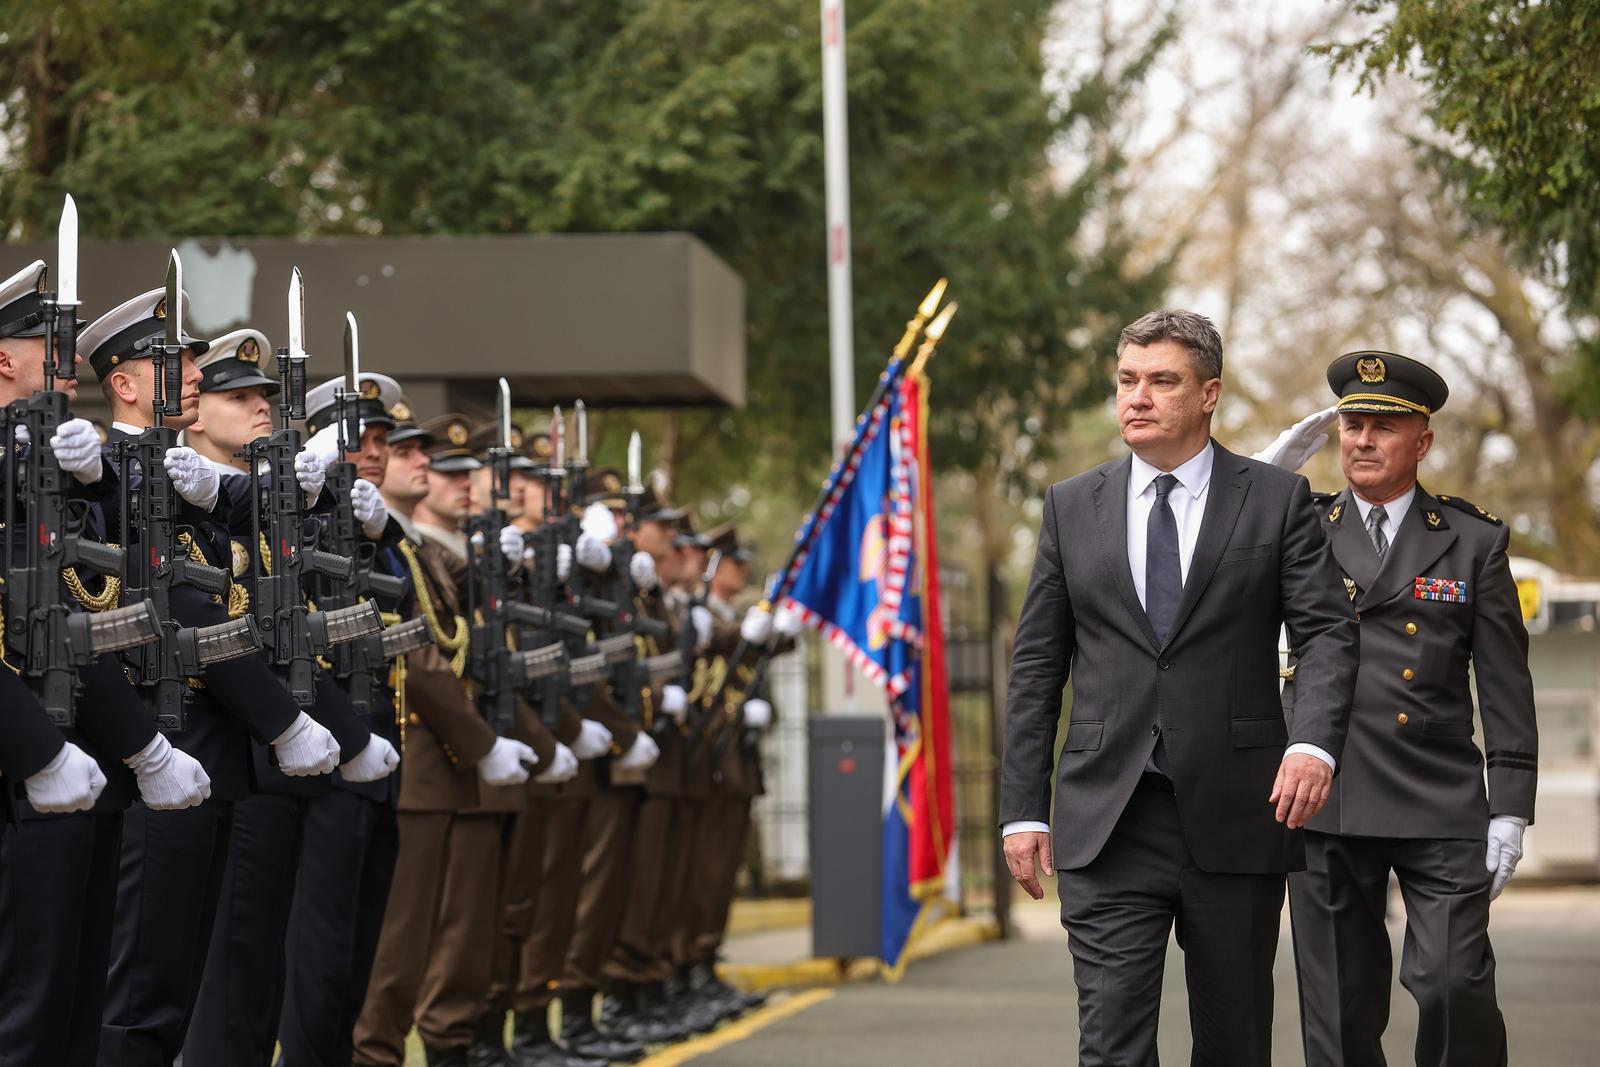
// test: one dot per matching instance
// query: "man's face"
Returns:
(532, 490)
(1161, 399)
(406, 476)
(140, 374)
(372, 458)
(656, 539)
(25, 356)
(732, 577)
(232, 418)
(483, 493)
(694, 563)
(1380, 453)
(449, 494)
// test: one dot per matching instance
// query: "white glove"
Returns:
(592, 553)
(377, 760)
(600, 521)
(324, 445)
(1505, 849)
(563, 561)
(169, 778)
(507, 763)
(594, 740)
(193, 476)
(700, 619)
(757, 626)
(305, 749)
(757, 713)
(642, 569)
(311, 473)
(563, 767)
(511, 544)
(77, 449)
(370, 510)
(674, 701)
(641, 754)
(787, 621)
(70, 782)
(1299, 442)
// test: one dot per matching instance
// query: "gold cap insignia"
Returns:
(456, 433)
(1432, 517)
(401, 412)
(161, 308)
(1371, 370)
(369, 390)
(541, 446)
(249, 351)
(44, 276)
(611, 482)
(241, 560)
(516, 436)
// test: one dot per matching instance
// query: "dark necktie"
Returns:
(1380, 541)
(1163, 576)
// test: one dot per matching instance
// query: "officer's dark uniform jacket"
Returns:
(1443, 598)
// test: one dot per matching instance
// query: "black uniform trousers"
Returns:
(58, 886)
(346, 867)
(168, 880)
(1342, 952)
(237, 1006)
(1119, 912)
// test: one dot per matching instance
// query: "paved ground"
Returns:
(1013, 1001)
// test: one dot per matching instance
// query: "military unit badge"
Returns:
(1447, 590)
(241, 560)
(249, 351)
(401, 412)
(1371, 370)
(456, 433)
(369, 390)
(161, 308)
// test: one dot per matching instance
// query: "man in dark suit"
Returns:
(1432, 587)
(1160, 584)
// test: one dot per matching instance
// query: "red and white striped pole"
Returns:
(836, 172)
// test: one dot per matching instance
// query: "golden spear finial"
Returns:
(930, 303)
(931, 337)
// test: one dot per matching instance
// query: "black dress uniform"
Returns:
(172, 861)
(1409, 796)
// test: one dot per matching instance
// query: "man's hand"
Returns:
(311, 473)
(1504, 850)
(193, 476)
(370, 510)
(1301, 789)
(1296, 445)
(1020, 851)
(77, 449)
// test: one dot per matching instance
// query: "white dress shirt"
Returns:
(1187, 500)
(1394, 512)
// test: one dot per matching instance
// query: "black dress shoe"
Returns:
(623, 1016)
(488, 1048)
(579, 1035)
(445, 1057)
(680, 1004)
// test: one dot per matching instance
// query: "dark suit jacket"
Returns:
(1211, 691)
(1410, 767)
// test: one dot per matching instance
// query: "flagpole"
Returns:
(836, 185)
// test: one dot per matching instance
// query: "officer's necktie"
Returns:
(1163, 577)
(1380, 541)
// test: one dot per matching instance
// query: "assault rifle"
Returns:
(163, 562)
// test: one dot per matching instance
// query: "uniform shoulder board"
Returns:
(1323, 499)
(1471, 509)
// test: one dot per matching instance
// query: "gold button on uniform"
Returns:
(1402, 718)
(1411, 627)
(1408, 674)
(414, 719)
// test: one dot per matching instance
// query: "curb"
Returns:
(760, 916)
(944, 936)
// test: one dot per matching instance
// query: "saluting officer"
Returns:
(1433, 593)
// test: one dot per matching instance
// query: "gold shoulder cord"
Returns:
(3, 658)
(454, 643)
(397, 680)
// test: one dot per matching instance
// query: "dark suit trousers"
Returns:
(634, 957)
(58, 886)
(603, 887)
(1119, 912)
(521, 872)
(544, 953)
(1342, 951)
(346, 867)
(169, 878)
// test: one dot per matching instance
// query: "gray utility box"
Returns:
(846, 772)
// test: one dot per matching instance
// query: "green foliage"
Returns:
(327, 117)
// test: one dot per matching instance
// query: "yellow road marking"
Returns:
(738, 1031)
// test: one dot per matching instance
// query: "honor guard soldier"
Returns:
(66, 791)
(1433, 592)
(172, 861)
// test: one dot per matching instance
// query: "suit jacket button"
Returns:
(1402, 718)
(1411, 627)
(1408, 674)
(1163, 664)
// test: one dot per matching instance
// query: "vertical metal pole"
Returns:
(836, 170)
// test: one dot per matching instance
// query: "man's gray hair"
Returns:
(1193, 331)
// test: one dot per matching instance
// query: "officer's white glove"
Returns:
(674, 701)
(1505, 849)
(641, 754)
(193, 476)
(324, 444)
(377, 760)
(757, 713)
(306, 748)
(511, 544)
(700, 619)
(563, 767)
(592, 553)
(757, 626)
(594, 740)
(77, 449)
(370, 510)
(169, 778)
(70, 782)
(787, 621)
(507, 763)
(563, 561)
(600, 521)
(311, 473)
(1299, 442)
(642, 569)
